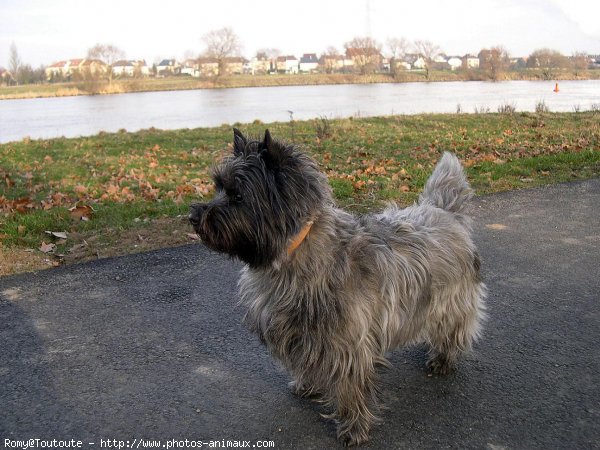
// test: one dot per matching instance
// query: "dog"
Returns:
(329, 293)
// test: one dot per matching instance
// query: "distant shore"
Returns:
(239, 81)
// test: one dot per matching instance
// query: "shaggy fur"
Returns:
(356, 287)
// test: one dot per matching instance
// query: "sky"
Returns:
(45, 31)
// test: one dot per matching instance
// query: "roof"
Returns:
(167, 62)
(287, 58)
(123, 63)
(309, 58)
(89, 62)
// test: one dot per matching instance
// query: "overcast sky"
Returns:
(46, 31)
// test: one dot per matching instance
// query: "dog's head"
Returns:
(265, 192)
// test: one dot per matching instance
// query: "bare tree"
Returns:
(398, 48)
(108, 54)
(548, 60)
(428, 51)
(365, 52)
(271, 53)
(494, 62)
(222, 44)
(329, 59)
(14, 62)
(580, 61)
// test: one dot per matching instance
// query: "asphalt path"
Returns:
(151, 346)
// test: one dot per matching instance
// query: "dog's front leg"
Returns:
(355, 396)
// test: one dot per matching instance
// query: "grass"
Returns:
(133, 189)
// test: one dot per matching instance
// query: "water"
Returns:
(87, 115)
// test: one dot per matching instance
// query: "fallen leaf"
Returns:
(82, 212)
(57, 234)
(47, 248)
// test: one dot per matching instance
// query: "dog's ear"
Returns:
(239, 142)
(271, 152)
(267, 141)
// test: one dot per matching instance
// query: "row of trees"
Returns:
(365, 52)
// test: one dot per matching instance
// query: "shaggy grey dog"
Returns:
(330, 293)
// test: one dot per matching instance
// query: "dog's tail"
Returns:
(447, 187)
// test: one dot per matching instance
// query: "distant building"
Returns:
(415, 61)
(331, 63)
(234, 64)
(207, 66)
(309, 63)
(287, 64)
(168, 67)
(455, 62)
(130, 68)
(5, 76)
(365, 60)
(72, 67)
(260, 64)
(190, 67)
(471, 61)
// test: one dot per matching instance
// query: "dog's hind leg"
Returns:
(453, 324)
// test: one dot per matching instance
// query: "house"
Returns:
(455, 62)
(470, 61)
(440, 62)
(309, 63)
(234, 64)
(130, 68)
(287, 64)
(415, 61)
(92, 67)
(260, 64)
(208, 66)
(190, 67)
(5, 76)
(364, 59)
(63, 69)
(385, 64)
(402, 65)
(168, 67)
(79, 66)
(331, 63)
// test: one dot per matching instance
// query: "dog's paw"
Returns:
(301, 390)
(440, 365)
(355, 435)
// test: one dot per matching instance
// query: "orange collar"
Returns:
(299, 238)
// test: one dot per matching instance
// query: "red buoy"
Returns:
(556, 88)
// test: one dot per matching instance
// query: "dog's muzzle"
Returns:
(196, 212)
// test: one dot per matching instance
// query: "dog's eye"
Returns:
(238, 198)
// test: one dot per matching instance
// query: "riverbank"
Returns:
(239, 81)
(71, 200)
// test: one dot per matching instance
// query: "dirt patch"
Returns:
(151, 235)
(18, 260)
(82, 247)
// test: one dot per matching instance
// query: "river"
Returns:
(88, 115)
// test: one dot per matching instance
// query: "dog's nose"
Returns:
(196, 211)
